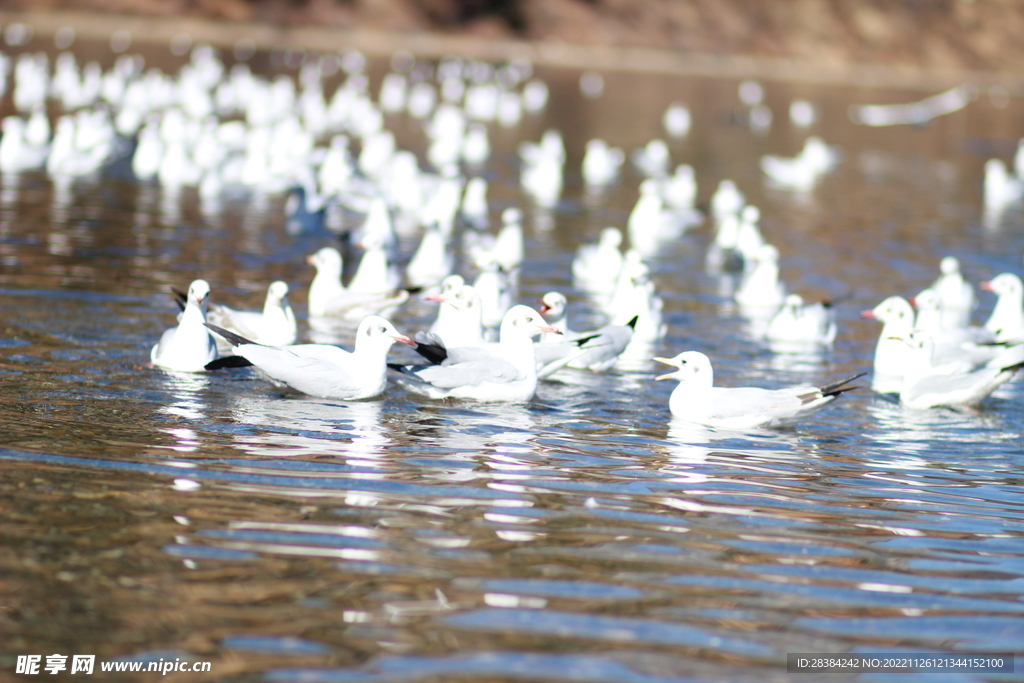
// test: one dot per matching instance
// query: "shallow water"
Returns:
(582, 537)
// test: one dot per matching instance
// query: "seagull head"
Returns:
(324, 258)
(553, 304)
(376, 328)
(689, 365)
(198, 291)
(278, 291)
(523, 321)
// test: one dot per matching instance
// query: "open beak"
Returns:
(402, 338)
(544, 308)
(986, 285)
(666, 361)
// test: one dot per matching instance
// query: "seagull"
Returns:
(726, 200)
(931, 318)
(505, 371)
(652, 159)
(459, 319)
(320, 370)
(650, 222)
(601, 164)
(697, 400)
(677, 120)
(927, 387)
(189, 346)
(596, 266)
(802, 171)
(274, 325)
(891, 353)
(328, 298)
(433, 261)
(799, 325)
(1007, 319)
(761, 289)
(602, 347)
(1001, 188)
(496, 290)
(375, 274)
(955, 293)
(948, 353)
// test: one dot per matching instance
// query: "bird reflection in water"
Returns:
(186, 404)
(312, 427)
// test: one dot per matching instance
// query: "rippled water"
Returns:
(582, 537)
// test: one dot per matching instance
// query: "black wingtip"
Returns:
(228, 362)
(231, 337)
(432, 352)
(431, 347)
(180, 297)
(632, 323)
(583, 340)
(1014, 368)
(837, 388)
(395, 366)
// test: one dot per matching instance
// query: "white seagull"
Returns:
(925, 386)
(1007, 319)
(328, 298)
(697, 400)
(459, 319)
(506, 371)
(956, 294)
(892, 354)
(320, 370)
(274, 325)
(598, 349)
(799, 325)
(189, 346)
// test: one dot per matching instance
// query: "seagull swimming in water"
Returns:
(696, 399)
(189, 346)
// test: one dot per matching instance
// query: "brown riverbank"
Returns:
(914, 43)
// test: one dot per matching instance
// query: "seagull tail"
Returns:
(581, 342)
(228, 362)
(231, 337)
(1013, 368)
(840, 387)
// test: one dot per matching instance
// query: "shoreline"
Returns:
(434, 45)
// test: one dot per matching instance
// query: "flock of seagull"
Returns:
(220, 129)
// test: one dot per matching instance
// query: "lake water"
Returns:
(582, 537)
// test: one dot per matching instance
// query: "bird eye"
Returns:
(381, 329)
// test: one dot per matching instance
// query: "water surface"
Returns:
(583, 537)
